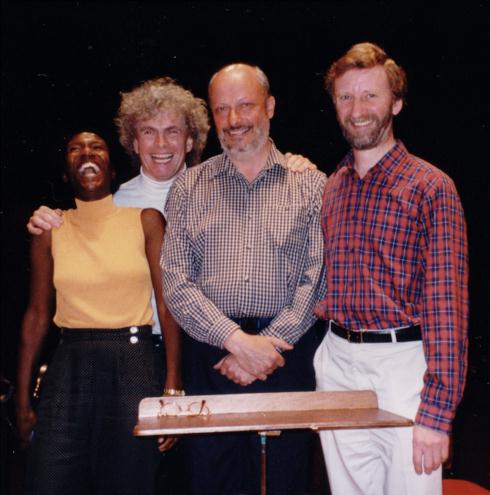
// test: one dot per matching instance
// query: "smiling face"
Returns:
(162, 143)
(88, 166)
(242, 110)
(365, 107)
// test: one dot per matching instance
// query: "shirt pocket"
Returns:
(286, 226)
(396, 230)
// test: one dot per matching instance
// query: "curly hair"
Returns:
(365, 56)
(152, 96)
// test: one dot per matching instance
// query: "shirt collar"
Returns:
(275, 160)
(387, 164)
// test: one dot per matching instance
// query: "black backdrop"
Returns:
(63, 64)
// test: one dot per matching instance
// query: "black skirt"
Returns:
(82, 442)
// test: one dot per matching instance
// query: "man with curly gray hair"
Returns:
(163, 127)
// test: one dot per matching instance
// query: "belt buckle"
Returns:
(354, 336)
(353, 333)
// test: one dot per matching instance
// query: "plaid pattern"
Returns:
(396, 255)
(239, 249)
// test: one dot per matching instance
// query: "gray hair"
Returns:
(152, 96)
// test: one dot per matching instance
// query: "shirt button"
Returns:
(133, 339)
(249, 247)
(133, 329)
(247, 279)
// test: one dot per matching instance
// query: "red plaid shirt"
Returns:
(396, 255)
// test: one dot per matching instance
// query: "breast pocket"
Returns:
(287, 226)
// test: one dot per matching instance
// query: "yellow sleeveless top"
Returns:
(101, 273)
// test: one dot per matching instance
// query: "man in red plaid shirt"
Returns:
(396, 301)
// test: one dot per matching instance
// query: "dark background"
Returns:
(64, 63)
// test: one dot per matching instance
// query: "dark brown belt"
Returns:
(407, 334)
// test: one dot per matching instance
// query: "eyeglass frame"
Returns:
(183, 412)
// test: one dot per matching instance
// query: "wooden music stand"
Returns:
(266, 413)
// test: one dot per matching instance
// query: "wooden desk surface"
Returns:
(263, 412)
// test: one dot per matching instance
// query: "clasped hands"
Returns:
(251, 357)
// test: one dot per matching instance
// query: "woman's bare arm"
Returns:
(34, 327)
(154, 229)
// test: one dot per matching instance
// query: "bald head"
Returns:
(242, 107)
(243, 70)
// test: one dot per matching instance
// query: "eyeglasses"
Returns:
(169, 408)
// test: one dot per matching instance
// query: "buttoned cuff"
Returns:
(221, 330)
(271, 331)
(435, 418)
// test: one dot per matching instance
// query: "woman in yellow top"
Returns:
(102, 263)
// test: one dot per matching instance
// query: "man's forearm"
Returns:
(195, 313)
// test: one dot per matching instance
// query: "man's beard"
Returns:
(371, 139)
(240, 151)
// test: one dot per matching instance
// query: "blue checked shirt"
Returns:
(239, 249)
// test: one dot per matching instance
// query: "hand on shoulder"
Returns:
(298, 163)
(43, 219)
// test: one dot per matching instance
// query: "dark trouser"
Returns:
(83, 441)
(171, 472)
(229, 464)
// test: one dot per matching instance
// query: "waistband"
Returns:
(404, 334)
(132, 333)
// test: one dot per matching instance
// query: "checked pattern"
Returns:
(396, 255)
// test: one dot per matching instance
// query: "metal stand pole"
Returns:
(263, 458)
(263, 463)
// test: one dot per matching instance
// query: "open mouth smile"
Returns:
(89, 169)
(238, 131)
(162, 159)
(361, 122)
